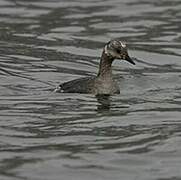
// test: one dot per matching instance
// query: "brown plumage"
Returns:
(103, 83)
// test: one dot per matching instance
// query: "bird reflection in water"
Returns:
(104, 102)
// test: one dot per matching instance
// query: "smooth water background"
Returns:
(49, 136)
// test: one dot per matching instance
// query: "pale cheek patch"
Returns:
(105, 49)
(109, 52)
(123, 45)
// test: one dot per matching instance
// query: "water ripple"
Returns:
(45, 135)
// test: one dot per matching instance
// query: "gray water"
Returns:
(52, 136)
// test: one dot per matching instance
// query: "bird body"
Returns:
(103, 83)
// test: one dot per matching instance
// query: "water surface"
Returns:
(46, 135)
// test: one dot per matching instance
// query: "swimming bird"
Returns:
(103, 83)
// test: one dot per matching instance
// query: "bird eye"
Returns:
(118, 51)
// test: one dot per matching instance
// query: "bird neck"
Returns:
(105, 69)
